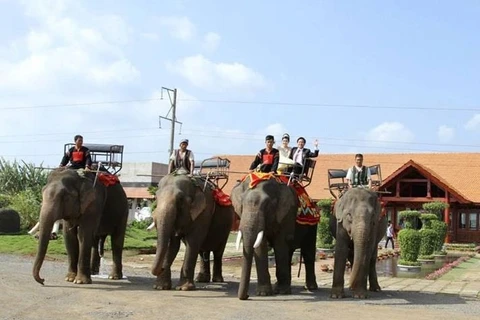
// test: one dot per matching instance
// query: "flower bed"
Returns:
(440, 272)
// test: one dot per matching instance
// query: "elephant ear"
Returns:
(287, 202)
(237, 199)
(342, 210)
(198, 204)
(87, 196)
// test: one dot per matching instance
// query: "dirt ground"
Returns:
(134, 298)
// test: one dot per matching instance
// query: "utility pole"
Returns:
(173, 119)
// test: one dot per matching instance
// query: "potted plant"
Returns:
(410, 241)
(438, 225)
(428, 238)
(325, 240)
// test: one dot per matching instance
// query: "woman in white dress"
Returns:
(284, 149)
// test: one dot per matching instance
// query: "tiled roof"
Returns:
(459, 171)
(137, 193)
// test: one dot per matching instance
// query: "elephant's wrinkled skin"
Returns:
(358, 227)
(268, 214)
(89, 213)
(186, 213)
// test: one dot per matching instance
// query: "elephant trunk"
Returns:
(165, 230)
(252, 233)
(360, 260)
(46, 225)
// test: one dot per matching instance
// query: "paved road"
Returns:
(133, 298)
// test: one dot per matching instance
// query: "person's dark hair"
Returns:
(359, 155)
(302, 138)
(269, 137)
(77, 137)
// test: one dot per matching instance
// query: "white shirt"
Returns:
(181, 154)
(390, 231)
(298, 156)
(350, 173)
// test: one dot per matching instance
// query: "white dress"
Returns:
(285, 161)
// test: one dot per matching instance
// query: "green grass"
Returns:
(135, 239)
(459, 272)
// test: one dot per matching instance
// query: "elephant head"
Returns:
(179, 203)
(67, 195)
(264, 211)
(359, 226)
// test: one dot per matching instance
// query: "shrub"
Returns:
(410, 241)
(440, 229)
(28, 204)
(141, 224)
(428, 243)
(435, 207)
(324, 235)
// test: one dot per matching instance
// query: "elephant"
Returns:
(358, 226)
(90, 211)
(187, 211)
(268, 218)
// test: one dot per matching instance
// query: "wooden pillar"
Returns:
(397, 194)
(429, 188)
(446, 215)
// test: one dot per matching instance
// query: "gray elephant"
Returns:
(91, 211)
(187, 211)
(358, 226)
(268, 214)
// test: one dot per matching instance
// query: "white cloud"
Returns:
(67, 43)
(150, 36)
(473, 123)
(206, 74)
(445, 133)
(275, 129)
(390, 132)
(179, 27)
(211, 41)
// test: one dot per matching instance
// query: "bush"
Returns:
(435, 207)
(409, 216)
(428, 243)
(440, 228)
(141, 224)
(410, 241)
(28, 204)
(324, 235)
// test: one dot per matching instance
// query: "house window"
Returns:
(472, 221)
(463, 221)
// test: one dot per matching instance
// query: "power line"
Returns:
(275, 103)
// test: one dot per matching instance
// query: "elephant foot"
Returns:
(188, 286)
(115, 276)
(282, 289)
(375, 288)
(359, 294)
(337, 293)
(203, 277)
(95, 271)
(82, 279)
(162, 285)
(243, 297)
(264, 290)
(217, 278)
(70, 277)
(311, 286)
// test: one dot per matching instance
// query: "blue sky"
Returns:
(324, 59)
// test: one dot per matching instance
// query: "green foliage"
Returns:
(427, 219)
(428, 243)
(435, 207)
(324, 235)
(409, 263)
(410, 241)
(440, 228)
(27, 203)
(21, 189)
(409, 216)
(142, 225)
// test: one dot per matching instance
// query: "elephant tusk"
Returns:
(239, 238)
(259, 239)
(151, 226)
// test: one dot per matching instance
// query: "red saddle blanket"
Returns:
(221, 198)
(308, 211)
(107, 179)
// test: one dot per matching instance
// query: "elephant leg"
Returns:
(117, 239)
(217, 265)
(372, 273)
(204, 274)
(72, 247)
(264, 284)
(340, 261)
(188, 268)
(95, 266)
(164, 280)
(85, 239)
(308, 252)
(283, 269)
